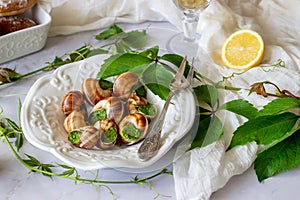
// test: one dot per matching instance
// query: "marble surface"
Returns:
(17, 183)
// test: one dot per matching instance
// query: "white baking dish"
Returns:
(26, 41)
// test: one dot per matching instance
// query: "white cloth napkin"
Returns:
(71, 16)
(200, 172)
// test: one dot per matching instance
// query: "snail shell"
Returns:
(85, 137)
(134, 101)
(74, 120)
(124, 85)
(133, 128)
(73, 100)
(93, 92)
(108, 133)
(113, 107)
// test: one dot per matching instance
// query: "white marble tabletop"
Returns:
(17, 183)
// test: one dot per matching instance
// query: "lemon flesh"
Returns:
(243, 49)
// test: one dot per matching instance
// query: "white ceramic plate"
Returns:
(42, 120)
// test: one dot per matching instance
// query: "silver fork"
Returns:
(152, 142)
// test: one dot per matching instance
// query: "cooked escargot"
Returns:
(134, 101)
(133, 128)
(73, 100)
(149, 110)
(108, 133)
(108, 108)
(74, 120)
(84, 137)
(93, 92)
(124, 85)
(137, 104)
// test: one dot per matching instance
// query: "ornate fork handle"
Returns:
(152, 142)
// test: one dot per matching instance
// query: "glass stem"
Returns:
(190, 22)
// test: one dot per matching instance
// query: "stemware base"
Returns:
(185, 47)
(170, 40)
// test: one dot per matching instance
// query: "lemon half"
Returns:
(243, 49)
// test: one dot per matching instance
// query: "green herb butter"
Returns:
(98, 115)
(74, 137)
(148, 109)
(110, 135)
(130, 132)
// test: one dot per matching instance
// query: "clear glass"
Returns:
(186, 43)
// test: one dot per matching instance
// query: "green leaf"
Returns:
(172, 58)
(209, 131)
(3, 130)
(157, 78)
(111, 32)
(19, 109)
(205, 112)
(281, 157)
(80, 54)
(240, 107)
(57, 62)
(97, 51)
(48, 165)
(68, 172)
(33, 162)
(141, 91)
(121, 63)
(288, 134)
(122, 47)
(207, 94)
(19, 141)
(65, 166)
(46, 168)
(151, 53)
(136, 39)
(176, 60)
(105, 84)
(278, 105)
(12, 124)
(33, 158)
(264, 130)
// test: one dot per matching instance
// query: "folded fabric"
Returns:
(74, 16)
(200, 172)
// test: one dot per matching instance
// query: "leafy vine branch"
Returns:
(35, 165)
(9, 129)
(266, 67)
